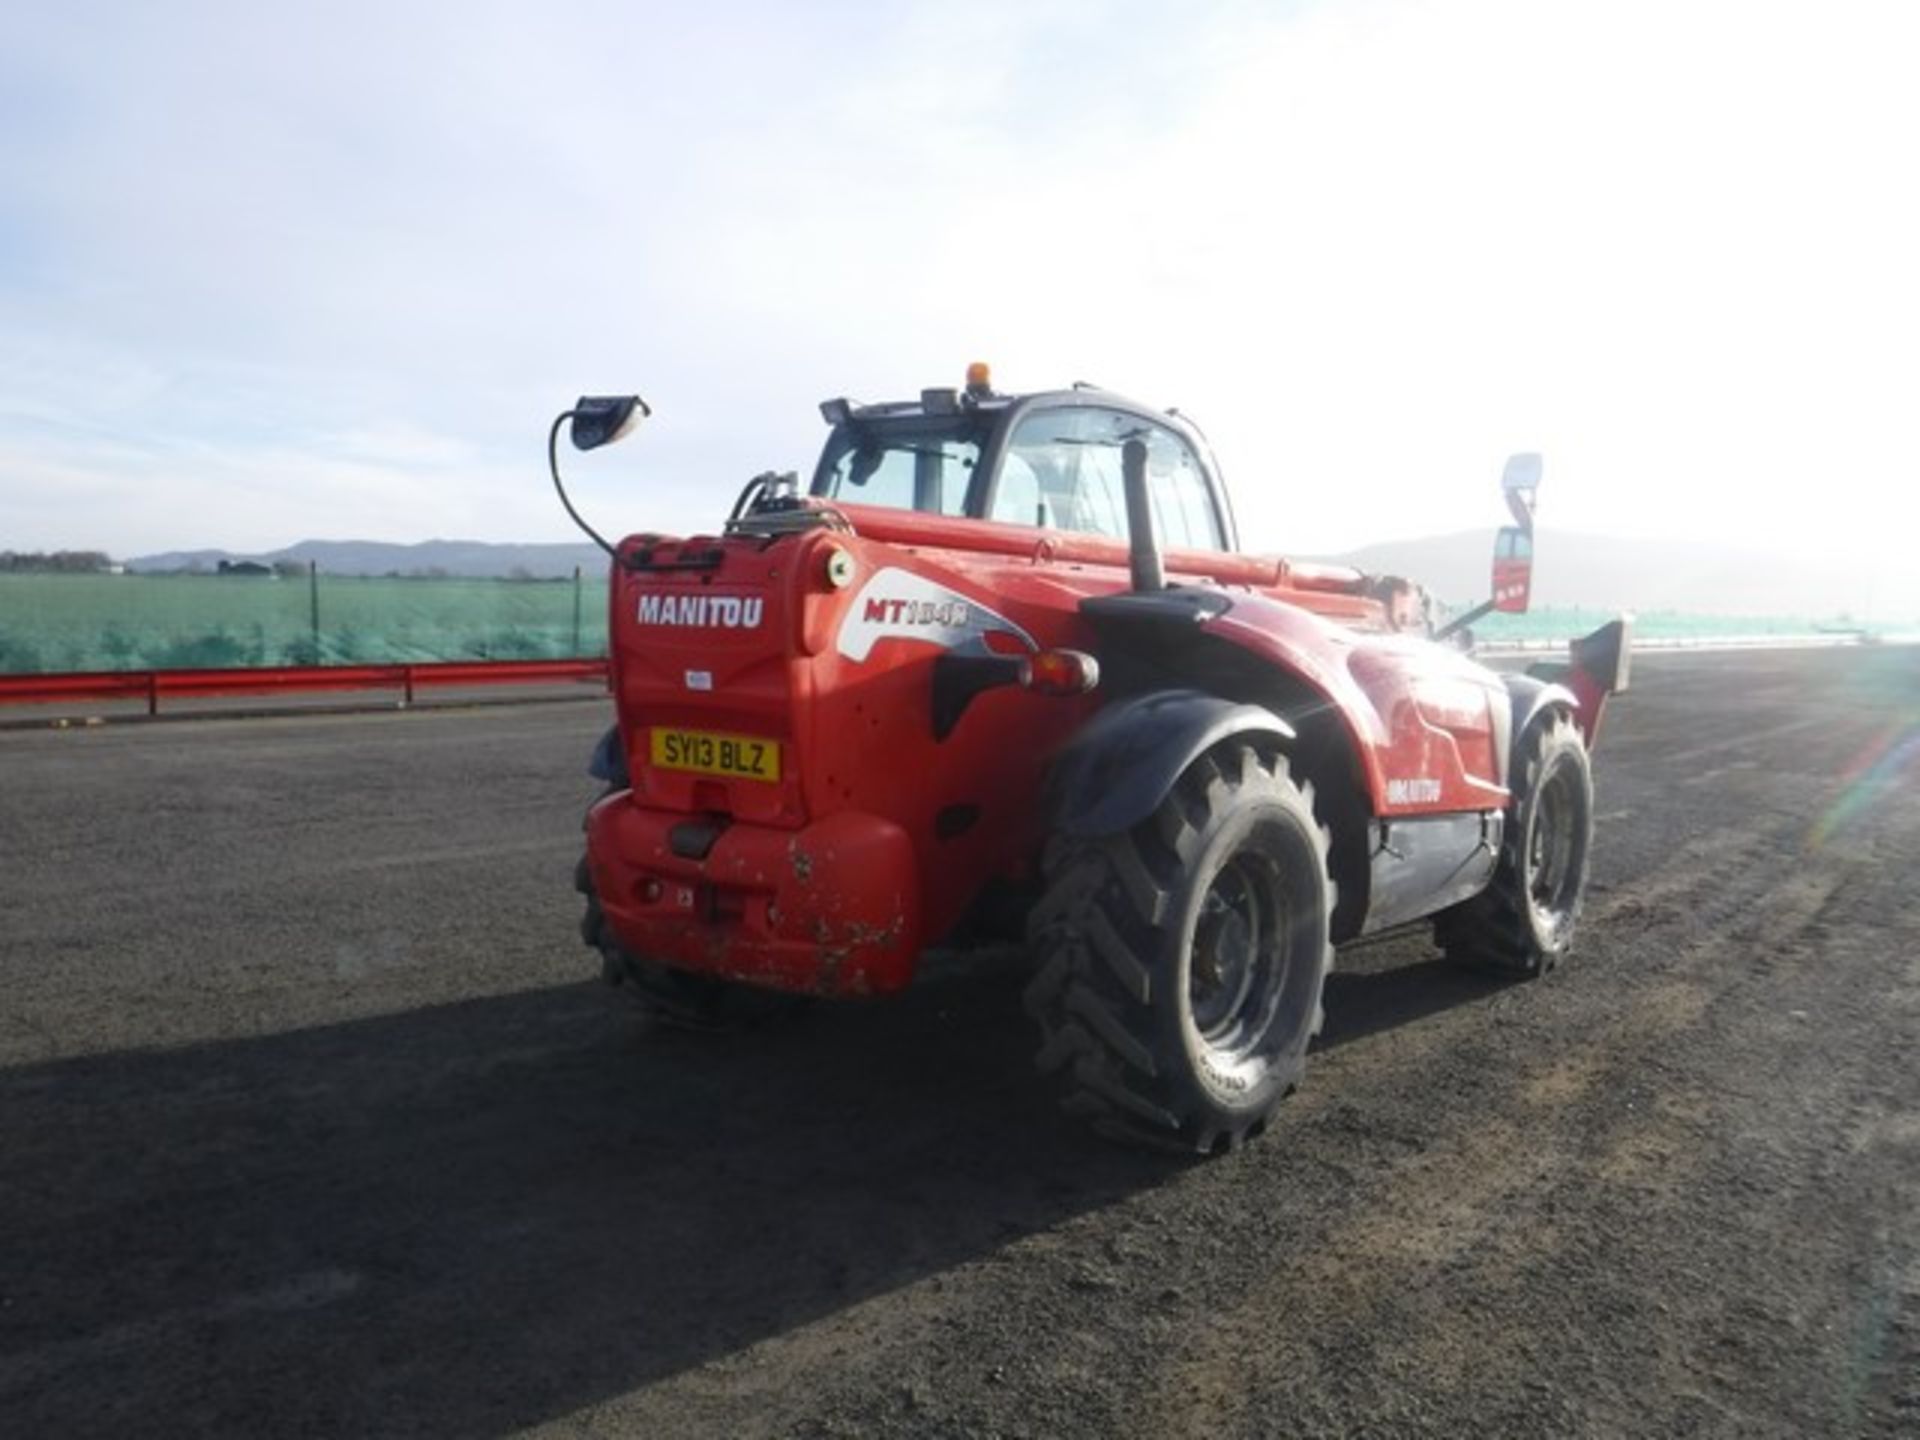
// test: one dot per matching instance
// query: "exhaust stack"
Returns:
(1143, 557)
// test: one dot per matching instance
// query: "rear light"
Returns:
(1059, 672)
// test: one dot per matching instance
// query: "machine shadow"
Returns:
(1384, 985)
(468, 1219)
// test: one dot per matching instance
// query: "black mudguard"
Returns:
(1123, 764)
(609, 762)
(1604, 657)
(1597, 669)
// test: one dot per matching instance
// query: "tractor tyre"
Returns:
(1181, 963)
(674, 997)
(1523, 922)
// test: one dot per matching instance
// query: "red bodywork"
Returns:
(876, 837)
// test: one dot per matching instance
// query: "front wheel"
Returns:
(1181, 963)
(1523, 923)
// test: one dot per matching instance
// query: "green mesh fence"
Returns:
(1565, 622)
(148, 622)
(151, 622)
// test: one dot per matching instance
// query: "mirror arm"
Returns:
(1461, 621)
(553, 464)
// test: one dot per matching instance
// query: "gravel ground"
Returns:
(312, 1122)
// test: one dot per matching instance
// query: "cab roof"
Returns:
(939, 401)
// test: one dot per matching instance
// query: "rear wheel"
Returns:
(1181, 963)
(1524, 921)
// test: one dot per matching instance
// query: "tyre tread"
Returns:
(1494, 932)
(1094, 928)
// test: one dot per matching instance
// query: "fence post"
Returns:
(153, 692)
(313, 605)
(575, 652)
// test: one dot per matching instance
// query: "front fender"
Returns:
(1528, 698)
(1122, 765)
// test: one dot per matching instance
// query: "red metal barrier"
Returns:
(152, 685)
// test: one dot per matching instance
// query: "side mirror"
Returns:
(1521, 481)
(1512, 570)
(1512, 551)
(597, 420)
(602, 419)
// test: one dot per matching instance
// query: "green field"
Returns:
(142, 622)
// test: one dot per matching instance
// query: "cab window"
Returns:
(911, 468)
(1018, 497)
(1065, 464)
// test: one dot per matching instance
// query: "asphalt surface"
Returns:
(312, 1121)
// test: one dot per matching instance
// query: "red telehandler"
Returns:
(999, 673)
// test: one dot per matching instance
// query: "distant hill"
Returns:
(465, 558)
(1603, 572)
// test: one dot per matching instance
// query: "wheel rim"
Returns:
(1239, 957)
(1553, 883)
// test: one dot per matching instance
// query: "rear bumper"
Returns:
(830, 909)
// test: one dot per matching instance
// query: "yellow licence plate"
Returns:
(702, 751)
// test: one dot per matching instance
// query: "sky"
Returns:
(270, 273)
